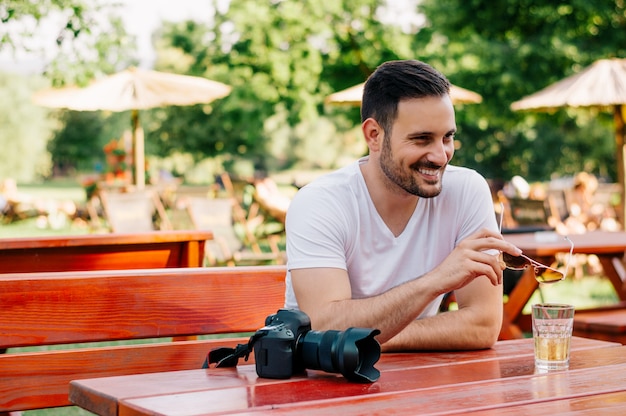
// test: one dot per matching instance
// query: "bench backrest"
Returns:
(76, 307)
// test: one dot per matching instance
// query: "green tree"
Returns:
(511, 48)
(281, 66)
(90, 38)
(24, 130)
(78, 145)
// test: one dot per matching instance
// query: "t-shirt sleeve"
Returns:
(480, 212)
(317, 230)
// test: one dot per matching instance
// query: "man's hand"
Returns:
(472, 259)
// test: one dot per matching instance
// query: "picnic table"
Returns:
(543, 247)
(103, 251)
(500, 380)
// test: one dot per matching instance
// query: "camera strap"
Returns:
(229, 357)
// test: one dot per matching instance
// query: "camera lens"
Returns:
(352, 353)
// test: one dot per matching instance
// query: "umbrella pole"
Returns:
(620, 132)
(138, 151)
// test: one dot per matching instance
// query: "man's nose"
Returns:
(438, 153)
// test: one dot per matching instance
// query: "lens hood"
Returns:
(352, 353)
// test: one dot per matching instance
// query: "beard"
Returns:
(409, 180)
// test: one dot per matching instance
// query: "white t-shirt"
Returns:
(332, 222)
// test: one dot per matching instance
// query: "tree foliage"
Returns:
(511, 48)
(89, 38)
(283, 57)
(24, 130)
(281, 67)
(78, 145)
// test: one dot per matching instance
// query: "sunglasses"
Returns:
(543, 273)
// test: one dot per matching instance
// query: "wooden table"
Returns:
(608, 246)
(103, 251)
(501, 380)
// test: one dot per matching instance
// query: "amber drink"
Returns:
(552, 332)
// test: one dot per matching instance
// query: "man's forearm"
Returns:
(389, 312)
(454, 330)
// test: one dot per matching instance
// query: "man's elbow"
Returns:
(487, 333)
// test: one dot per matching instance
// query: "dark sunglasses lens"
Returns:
(545, 275)
(515, 262)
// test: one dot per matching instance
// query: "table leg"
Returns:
(613, 274)
(193, 256)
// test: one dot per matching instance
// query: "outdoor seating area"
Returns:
(142, 245)
(388, 207)
(86, 262)
(500, 380)
(244, 233)
(571, 205)
(164, 310)
(171, 295)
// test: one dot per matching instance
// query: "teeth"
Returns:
(429, 171)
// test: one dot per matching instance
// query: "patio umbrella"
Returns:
(134, 89)
(353, 95)
(601, 85)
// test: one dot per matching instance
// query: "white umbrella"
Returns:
(134, 89)
(353, 96)
(600, 85)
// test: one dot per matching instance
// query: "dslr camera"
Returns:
(286, 345)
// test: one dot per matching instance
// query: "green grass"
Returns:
(585, 292)
(56, 191)
(59, 411)
(29, 228)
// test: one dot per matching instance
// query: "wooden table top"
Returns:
(549, 243)
(154, 249)
(501, 380)
(105, 239)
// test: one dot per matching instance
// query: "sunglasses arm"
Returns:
(571, 252)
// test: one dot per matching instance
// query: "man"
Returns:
(378, 243)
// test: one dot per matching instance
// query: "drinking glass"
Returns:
(552, 332)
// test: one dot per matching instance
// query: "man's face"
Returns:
(421, 145)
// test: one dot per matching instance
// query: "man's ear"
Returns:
(373, 133)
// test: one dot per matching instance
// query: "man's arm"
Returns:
(475, 325)
(325, 295)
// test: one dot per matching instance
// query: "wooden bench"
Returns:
(104, 251)
(42, 309)
(605, 323)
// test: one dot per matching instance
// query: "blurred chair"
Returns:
(227, 248)
(270, 199)
(134, 211)
(245, 211)
(558, 203)
(526, 215)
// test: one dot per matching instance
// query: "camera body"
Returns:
(286, 345)
(275, 353)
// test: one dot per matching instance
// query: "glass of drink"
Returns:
(552, 331)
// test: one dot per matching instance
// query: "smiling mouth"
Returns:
(430, 174)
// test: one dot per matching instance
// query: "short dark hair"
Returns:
(394, 81)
